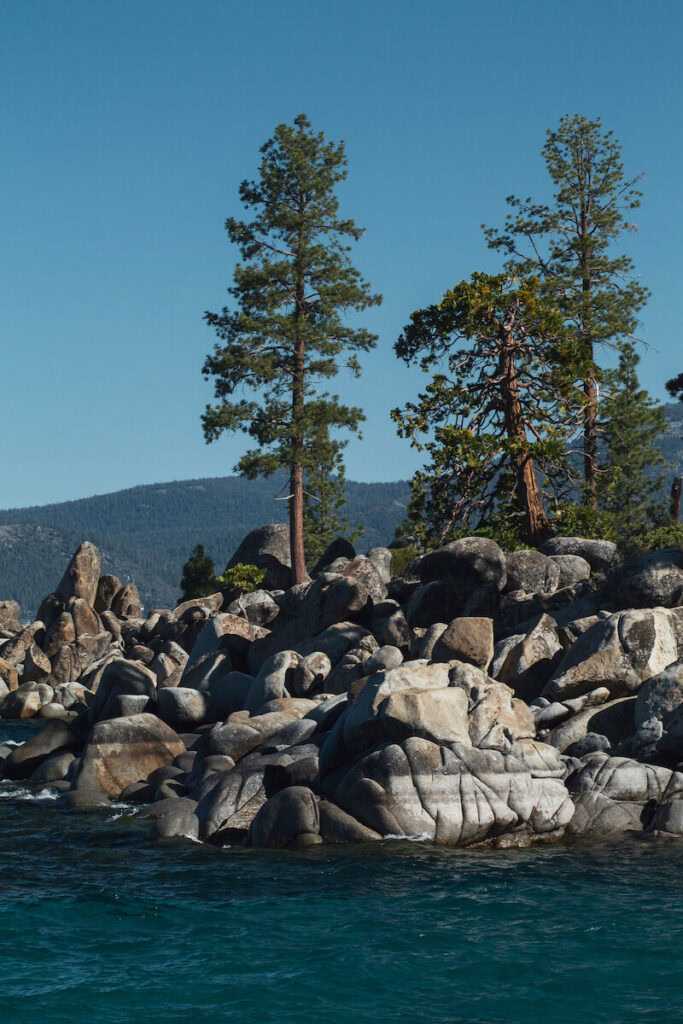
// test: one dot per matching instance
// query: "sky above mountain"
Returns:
(127, 128)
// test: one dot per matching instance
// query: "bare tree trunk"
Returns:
(676, 499)
(536, 526)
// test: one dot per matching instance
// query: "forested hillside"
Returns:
(147, 533)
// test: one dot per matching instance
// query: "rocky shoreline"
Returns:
(477, 699)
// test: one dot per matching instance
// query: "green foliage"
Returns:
(401, 558)
(199, 578)
(501, 403)
(324, 498)
(669, 536)
(571, 519)
(246, 578)
(286, 334)
(629, 489)
(568, 244)
(675, 387)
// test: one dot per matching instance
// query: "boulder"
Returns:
(108, 587)
(381, 559)
(86, 621)
(124, 750)
(274, 680)
(655, 579)
(14, 651)
(436, 715)
(616, 794)
(532, 572)
(290, 818)
(619, 652)
(126, 602)
(37, 667)
(336, 826)
(268, 548)
(55, 737)
(8, 675)
(82, 575)
(466, 639)
(10, 616)
(613, 720)
(26, 701)
(469, 563)
(600, 554)
(182, 708)
(528, 661)
(338, 548)
(572, 568)
(121, 678)
(454, 794)
(660, 695)
(258, 607)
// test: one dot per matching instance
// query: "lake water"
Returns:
(101, 924)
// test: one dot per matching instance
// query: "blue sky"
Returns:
(128, 126)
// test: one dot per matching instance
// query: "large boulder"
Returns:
(572, 569)
(124, 750)
(468, 639)
(268, 548)
(82, 575)
(469, 563)
(54, 737)
(654, 579)
(122, 678)
(26, 701)
(532, 572)
(600, 554)
(615, 794)
(528, 660)
(290, 818)
(10, 616)
(619, 652)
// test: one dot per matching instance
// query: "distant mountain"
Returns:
(146, 533)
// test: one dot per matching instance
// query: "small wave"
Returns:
(421, 838)
(11, 743)
(20, 793)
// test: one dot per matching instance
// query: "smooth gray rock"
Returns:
(600, 554)
(532, 572)
(654, 579)
(268, 548)
(572, 569)
(289, 818)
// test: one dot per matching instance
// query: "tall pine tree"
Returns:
(199, 578)
(568, 244)
(287, 333)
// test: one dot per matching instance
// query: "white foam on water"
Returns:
(11, 743)
(193, 839)
(424, 836)
(19, 793)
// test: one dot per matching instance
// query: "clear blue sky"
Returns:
(127, 127)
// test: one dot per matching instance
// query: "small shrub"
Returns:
(401, 558)
(245, 578)
(669, 536)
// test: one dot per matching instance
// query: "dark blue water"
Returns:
(99, 923)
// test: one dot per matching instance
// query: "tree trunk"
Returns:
(296, 479)
(590, 433)
(536, 527)
(676, 499)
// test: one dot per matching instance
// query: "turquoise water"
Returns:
(99, 923)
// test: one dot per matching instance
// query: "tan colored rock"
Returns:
(14, 651)
(108, 587)
(9, 675)
(124, 750)
(468, 639)
(82, 575)
(37, 667)
(436, 715)
(86, 621)
(126, 603)
(62, 631)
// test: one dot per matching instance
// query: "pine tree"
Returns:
(675, 387)
(630, 488)
(568, 245)
(199, 578)
(287, 333)
(498, 411)
(324, 497)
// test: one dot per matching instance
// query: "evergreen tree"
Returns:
(199, 579)
(324, 497)
(568, 245)
(287, 333)
(500, 409)
(630, 488)
(675, 387)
